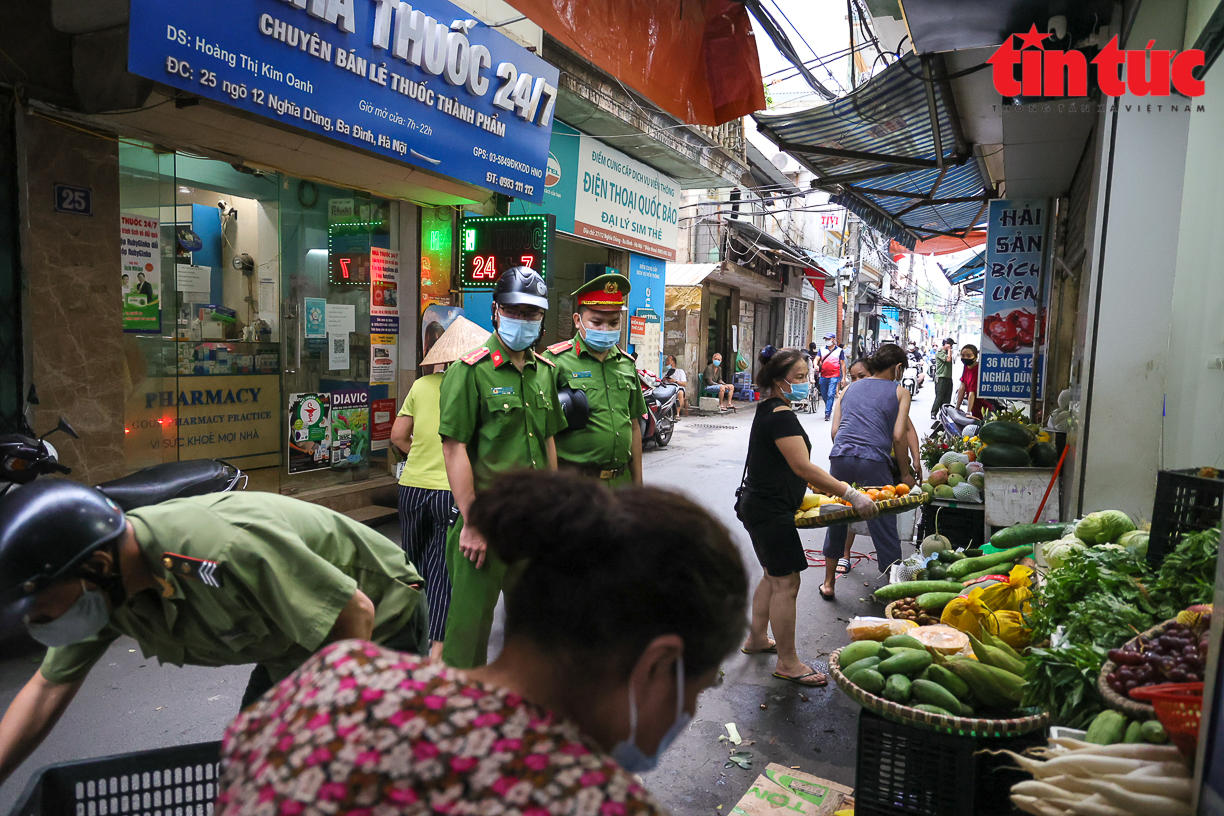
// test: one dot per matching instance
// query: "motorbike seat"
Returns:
(170, 480)
(664, 392)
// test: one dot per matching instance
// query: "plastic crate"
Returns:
(902, 769)
(962, 526)
(178, 781)
(1185, 503)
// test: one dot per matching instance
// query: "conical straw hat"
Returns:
(460, 337)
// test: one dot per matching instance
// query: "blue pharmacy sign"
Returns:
(1011, 298)
(420, 83)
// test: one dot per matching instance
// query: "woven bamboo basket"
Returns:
(848, 514)
(960, 726)
(1129, 707)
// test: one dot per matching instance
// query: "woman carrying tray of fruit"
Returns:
(776, 476)
(870, 421)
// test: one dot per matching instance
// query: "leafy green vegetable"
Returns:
(1056, 552)
(1063, 681)
(1104, 526)
(1136, 541)
(1084, 575)
(1187, 575)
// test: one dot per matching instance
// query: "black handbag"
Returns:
(739, 491)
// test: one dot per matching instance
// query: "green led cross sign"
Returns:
(490, 245)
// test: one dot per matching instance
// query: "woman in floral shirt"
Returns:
(626, 604)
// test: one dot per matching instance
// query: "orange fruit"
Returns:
(902, 489)
(873, 494)
(887, 493)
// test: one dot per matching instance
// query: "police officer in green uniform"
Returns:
(499, 413)
(609, 447)
(218, 580)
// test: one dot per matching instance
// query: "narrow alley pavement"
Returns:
(130, 704)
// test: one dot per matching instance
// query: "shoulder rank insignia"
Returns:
(197, 569)
(564, 345)
(545, 360)
(497, 358)
(475, 355)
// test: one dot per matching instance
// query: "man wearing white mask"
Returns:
(499, 413)
(609, 446)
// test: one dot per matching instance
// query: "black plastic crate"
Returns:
(902, 769)
(1185, 503)
(178, 781)
(964, 527)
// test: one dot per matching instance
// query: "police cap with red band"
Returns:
(606, 293)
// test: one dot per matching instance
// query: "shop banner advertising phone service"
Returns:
(423, 83)
(309, 432)
(1011, 298)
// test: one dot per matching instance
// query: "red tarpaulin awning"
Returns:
(941, 245)
(695, 59)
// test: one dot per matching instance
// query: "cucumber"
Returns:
(870, 681)
(1006, 433)
(861, 665)
(910, 662)
(1001, 455)
(926, 691)
(973, 552)
(950, 556)
(910, 589)
(903, 642)
(934, 709)
(945, 678)
(929, 601)
(935, 572)
(972, 565)
(1108, 727)
(857, 651)
(1154, 732)
(897, 689)
(1134, 732)
(1019, 534)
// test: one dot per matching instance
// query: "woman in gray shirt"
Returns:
(869, 421)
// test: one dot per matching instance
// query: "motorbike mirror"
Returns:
(32, 395)
(63, 427)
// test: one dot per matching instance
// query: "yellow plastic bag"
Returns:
(966, 612)
(1008, 626)
(1013, 596)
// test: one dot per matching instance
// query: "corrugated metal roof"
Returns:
(688, 274)
(888, 118)
(967, 271)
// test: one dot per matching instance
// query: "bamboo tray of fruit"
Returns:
(1174, 651)
(839, 512)
(928, 717)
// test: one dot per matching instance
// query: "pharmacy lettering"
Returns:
(217, 396)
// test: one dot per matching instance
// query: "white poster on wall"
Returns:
(337, 351)
(623, 202)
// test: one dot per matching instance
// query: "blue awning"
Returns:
(892, 152)
(968, 271)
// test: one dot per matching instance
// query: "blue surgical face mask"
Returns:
(799, 391)
(518, 334)
(627, 753)
(83, 620)
(600, 339)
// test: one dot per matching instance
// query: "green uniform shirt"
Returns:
(285, 568)
(504, 416)
(615, 400)
(943, 364)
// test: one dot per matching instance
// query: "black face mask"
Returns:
(969, 360)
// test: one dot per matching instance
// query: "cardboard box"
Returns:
(781, 791)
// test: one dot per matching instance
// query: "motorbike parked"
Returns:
(24, 457)
(659, 420)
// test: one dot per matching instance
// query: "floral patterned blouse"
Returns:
(364, 731)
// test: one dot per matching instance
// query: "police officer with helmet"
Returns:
(214, 580)
(499, 413)
(609, 445)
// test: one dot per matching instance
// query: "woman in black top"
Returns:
(777, 473)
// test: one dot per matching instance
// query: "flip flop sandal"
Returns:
(843, 566)
(772, 648)
(830, 597)
(802, 679)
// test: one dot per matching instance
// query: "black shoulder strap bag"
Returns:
(739, 491)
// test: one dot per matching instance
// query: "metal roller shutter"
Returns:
(826, 314)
